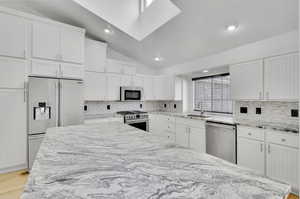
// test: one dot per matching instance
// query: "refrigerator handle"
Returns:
(25, 91)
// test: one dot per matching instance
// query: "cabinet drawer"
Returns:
(170, 126)
(72, 71)
(250, 132)
(191, 122)
(283, 138)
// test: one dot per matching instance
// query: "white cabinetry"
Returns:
(95, 55)
(71, 71)
(95, 86)
(283, 157)
(275, 78)
(282, 77)
(13, 129)
(138, 81)
(182, 135)
(13, 36)
(12, 73)
(251, 154)
(247, 81)
(113, 87)
(54, 42)
(72, 45)
(148, 88)
(269, 152)
(163, 126)
(191, 133)
(46, 41)
(45, 68)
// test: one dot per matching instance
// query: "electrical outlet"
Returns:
(108, 107)
(141, 105)
(175, 106)
(294, 113)
(258, 111)
(244, 110)
(85, 108)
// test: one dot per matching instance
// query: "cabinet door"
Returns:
(182, 136)
(72, 45)
(138, 81)
(46, 41)
(113, 87)
(251, 154)
(197, 139)
(95, 55)
(12, 73)
(282, 77)
(113, 66)
(13, 129)
(247, 81)
(95, 86)
(126, 80)
(158, 83)
(13, 36)
(44, 68)
(148, 88)
(72, 71)
(129, 70)
(283, 164)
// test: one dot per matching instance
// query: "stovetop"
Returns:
(131, 112)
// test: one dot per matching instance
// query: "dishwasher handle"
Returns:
(221, 125)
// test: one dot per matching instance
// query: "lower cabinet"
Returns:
(251, 154)
(272, 153)
(191, 133)
(283, 164)
(163, 126)
(13, 133)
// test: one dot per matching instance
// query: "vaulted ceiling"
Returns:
(199, 30)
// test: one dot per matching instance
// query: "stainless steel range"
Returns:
(138, 119)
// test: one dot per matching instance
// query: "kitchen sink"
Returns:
(197, 116)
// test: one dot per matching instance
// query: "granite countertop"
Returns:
(114, 160)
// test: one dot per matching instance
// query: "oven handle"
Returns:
(136, 121)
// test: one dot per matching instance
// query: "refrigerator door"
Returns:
(42, 104)
(71, 102)
(34, 142)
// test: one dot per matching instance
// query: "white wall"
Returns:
(141, 68)
(277, 45)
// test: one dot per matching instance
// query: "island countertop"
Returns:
(113, 160)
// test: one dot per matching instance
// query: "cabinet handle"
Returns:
(283, 140)
(249, 134)
(261, 147)
(269, 148)
(267, 95)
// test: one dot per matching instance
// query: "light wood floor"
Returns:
(12, 184)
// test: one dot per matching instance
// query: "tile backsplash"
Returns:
(95, 108)
(271, 112)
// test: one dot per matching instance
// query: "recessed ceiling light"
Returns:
(107, 31)
(231, 28)
(158, 59)
(205, 71)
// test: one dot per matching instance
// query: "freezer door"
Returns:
(71, 102)
(42, 104)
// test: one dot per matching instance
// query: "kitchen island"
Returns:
(113, 160)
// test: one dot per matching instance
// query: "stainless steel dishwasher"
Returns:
(221, 140)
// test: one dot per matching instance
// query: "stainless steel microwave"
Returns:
(132, 93)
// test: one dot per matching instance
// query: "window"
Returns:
(212, 94)
(144, 4)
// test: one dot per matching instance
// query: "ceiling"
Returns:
(199, 30)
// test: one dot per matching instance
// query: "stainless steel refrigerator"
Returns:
(51, 102)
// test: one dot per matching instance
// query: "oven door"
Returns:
(131, 93)
(142, 125)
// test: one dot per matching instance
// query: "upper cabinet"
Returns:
(282, 77)
(45, 41)
(275, 78)
(247, 81)
(95, 55)
(72, 45)
(13, 35)
(54, 42)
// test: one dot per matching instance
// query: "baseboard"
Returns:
(13, 168)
